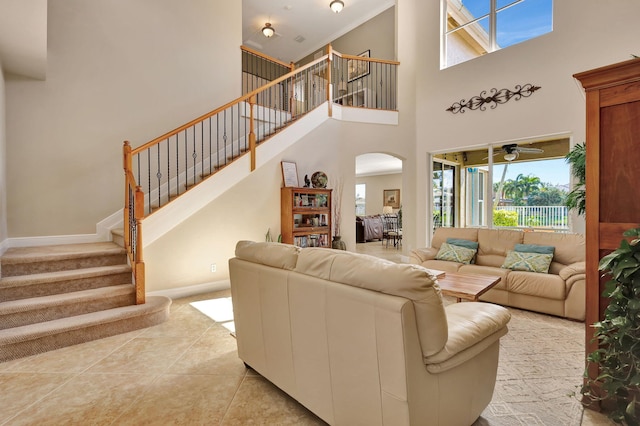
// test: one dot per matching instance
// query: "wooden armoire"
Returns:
(613, 178)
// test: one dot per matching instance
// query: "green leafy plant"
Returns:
(577, 159)
(505, 218)
(618, 335)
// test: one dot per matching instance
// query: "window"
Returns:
(444, 195)
(475, 27)
(361, 191)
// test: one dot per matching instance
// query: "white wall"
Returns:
(117, 70)
(375, 185)
(587, 34)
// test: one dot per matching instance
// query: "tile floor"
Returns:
(185, 371)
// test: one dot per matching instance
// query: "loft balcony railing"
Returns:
(166, 167)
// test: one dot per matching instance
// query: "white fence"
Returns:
(554, 217)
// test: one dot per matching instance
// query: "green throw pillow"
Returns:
(534, 248)
(532, 262)
(455, 253)
(473, 245)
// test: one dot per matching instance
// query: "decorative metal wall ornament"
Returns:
(501, 96)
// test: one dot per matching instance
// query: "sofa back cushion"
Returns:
(441, 235)
(405, 280)
(569, 248)
(283, 256)
(494, 245)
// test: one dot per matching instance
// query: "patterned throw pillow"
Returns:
(455, 253)
(473, 245)
(532, 262)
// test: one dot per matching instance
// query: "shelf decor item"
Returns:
(319, 180)
(289, 173)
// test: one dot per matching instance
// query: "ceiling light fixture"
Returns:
(268, 30)
(510, 156)
(336, 5)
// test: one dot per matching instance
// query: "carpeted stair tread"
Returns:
(65, 298)
(59, 252)
(36, 260)
(36, 338)
(44, 277)
(17, 313)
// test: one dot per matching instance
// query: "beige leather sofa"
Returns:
(360, 340)
(559, 292)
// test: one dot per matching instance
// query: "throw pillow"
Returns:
(534, 248)
(455, 253)
(463, 243)
(532, 262)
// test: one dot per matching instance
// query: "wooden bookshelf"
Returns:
(305, 218)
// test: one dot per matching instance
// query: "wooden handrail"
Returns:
(268, 58)
(361, 58)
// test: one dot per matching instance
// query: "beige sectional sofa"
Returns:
(559, 292)
(361, 340)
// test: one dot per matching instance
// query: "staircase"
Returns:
(57, 296)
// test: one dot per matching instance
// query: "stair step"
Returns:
(48, 283)
(33, 260)
(22, 312)
(31, 339)
(117, 236)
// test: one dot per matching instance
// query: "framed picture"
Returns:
(356, 68)
(391, 197)
(290, 174)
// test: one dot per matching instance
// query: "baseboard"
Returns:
(192, 290)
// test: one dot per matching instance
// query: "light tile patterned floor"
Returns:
(185, 371)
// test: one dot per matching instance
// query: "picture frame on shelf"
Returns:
(357, 68)
(391, 197)
(290, 174)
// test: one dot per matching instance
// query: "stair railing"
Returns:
(166, 167)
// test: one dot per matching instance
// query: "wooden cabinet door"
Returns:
(612, 181)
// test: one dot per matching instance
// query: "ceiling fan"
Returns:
(512, 151)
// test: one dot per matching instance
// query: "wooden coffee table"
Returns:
(466, 286)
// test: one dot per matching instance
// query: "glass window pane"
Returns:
(524, 21)
(461, 13)
(468, 42)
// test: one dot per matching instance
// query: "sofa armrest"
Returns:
(573, 269)
(418, 256)
(473, 327)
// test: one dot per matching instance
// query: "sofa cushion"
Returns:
(533, 262)
(534, 248)
(570, 248)
(494, 245)
(278, 255)
(454, 253)
(549, 286)
(441, 235)
(412, 282)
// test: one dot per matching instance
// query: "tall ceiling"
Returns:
(302, 26)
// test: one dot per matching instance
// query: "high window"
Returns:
(475, 27)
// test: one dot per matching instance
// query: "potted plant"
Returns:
(618, 335)
(577, 159)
